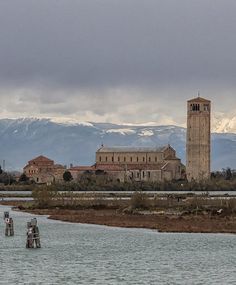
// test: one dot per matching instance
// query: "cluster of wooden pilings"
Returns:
(32, 235)
(33, 238)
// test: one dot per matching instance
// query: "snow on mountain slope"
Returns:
(73, 142)
(123, 131)
(223, 124)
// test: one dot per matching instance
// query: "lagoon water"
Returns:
(90, 254)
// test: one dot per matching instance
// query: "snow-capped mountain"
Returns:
(224, 124)
(75, 142)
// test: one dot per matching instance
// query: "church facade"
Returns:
(139, 163)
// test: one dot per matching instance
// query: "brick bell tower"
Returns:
(198, 143)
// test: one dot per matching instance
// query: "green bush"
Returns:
(44, 196)
(139, 201)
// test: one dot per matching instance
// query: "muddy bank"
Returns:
(164, 220)
(162, 223)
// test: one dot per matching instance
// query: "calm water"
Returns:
(89, 254)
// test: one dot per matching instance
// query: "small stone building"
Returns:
(43, 170)
(139, 163)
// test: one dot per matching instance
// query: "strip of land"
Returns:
(160, 222)
(167, 220)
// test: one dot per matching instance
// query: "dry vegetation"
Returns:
(49, 197)
(169, 213)
(166, 214)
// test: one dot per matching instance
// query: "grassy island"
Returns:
(163, 212)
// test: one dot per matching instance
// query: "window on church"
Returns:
(131, 159)
(100, 159)
(112, 159)
(137, 159)
(143, 159)
(149, 159)
(106, 158)
(124, 159)
(118, 158)
(155, 159)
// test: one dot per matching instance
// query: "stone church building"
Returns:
(139, 163)
(43, 170)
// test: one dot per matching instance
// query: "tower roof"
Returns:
(199, 99)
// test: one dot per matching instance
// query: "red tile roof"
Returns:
(41, 158)
(120, 167)
(82, 168)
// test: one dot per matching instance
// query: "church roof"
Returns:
(41, 158)
(199, 99)
(131, 149)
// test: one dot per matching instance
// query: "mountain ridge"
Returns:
(76, 142)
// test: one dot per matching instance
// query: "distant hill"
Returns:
(23, 139)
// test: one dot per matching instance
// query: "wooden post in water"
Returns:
(9, 230)
(33, 237)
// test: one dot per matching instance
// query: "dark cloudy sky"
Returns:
(122, 61)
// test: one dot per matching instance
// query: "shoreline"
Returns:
(168, 220)
(162, 223)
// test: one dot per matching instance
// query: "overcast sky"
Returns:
(121, 61)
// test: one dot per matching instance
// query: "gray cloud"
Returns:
(122, 61)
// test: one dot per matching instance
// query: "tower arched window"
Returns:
(206, 107)
(195, 107)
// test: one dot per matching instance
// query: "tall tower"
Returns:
(198, 139)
